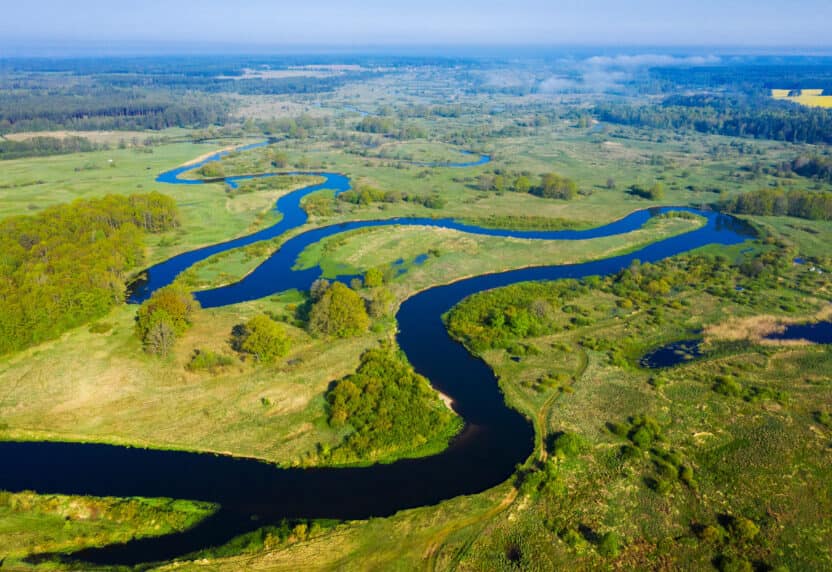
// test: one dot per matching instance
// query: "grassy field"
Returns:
(209, 214)
(37, 524)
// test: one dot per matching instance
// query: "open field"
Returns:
(807, 97)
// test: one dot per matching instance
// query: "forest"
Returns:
(813, 205)
(733, 115)
(69, 264)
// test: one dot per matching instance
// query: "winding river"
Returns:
(252, 493)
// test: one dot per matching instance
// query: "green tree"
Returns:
(264, 338)
(373, 278)
(380, 302)
(339, 313)
(164, 317)
(522, 184)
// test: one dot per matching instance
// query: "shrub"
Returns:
(569, 445)
(263, 338)
(205, 360)
(339, 313)
(727, 385)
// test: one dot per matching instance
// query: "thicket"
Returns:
(68, 265)
(505, 317)
(366, 195)
(390, 408)
(813, 167)
(550, 185)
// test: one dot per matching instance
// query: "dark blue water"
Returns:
(288, 206)
(672, 354)
(253, 494)
(819, 333)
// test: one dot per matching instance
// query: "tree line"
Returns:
(813, 205)
(69, 264)
(734, 116)
(89, 110)
(44, 146)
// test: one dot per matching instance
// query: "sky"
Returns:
(142, 24)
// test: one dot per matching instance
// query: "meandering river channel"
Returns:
(252, 493)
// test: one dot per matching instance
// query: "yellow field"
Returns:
(807, 97)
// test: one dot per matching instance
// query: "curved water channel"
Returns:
(252, 493)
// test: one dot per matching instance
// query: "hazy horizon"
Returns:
(206, 26)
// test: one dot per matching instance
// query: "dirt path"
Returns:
(438, 539)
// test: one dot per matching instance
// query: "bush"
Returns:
(727, 385)
(569, 445)
(205, 360)
(339, 313)
(262, 338)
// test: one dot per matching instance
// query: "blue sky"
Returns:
(423, 22)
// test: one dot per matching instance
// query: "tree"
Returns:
(373, 278)
(339, 313)
(380, 302)
(160, 338)
(318, 289)
(522, 184)
(172, 304)
(164, 317)
(553, 186)
(264, 338)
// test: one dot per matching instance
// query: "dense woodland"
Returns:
(110, 108)
(735, 116)
(813, 205)
(68, 264)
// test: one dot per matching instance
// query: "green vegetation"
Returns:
(206, 360)
(33, 524)
(42, 146)
(262, 338)
(553, 186)
(390, 409)
(68, 265)
(166, 315)
(778, 202)
(338, 312)
(727, 115)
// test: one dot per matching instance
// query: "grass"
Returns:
(37, 524)
(209, 215)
